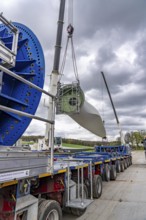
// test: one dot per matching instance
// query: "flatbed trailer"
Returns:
(106, 162)
(122, 152)
(25, 191)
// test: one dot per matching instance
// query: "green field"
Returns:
(76, 146)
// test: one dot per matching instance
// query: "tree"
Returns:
(136, 138)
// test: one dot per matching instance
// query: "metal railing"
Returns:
(9, 56)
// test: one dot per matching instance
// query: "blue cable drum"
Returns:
(15, 94)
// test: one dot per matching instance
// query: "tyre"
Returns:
(130, 160)
(118, 166)
(24, 217)
(77, 212)
(122, 166)
(64, 208)
(107, 172)
(125, 163)
(88, 185)
(97, 186)
(49, 209)
(85, 191)
(40, 201)
(113, 173)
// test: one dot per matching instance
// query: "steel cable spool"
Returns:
(14, 93)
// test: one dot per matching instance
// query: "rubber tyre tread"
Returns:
(64, 208)
(46, 206)
(78, 212)
(113, 172)
(85, 190)
(97, 181)
(122, 166)
(130, 160)
(40, 201)
(88, 185)
(125, 164)
(118, 166)
(128, 164)
(107, 173)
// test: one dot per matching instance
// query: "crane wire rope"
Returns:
(70, 30)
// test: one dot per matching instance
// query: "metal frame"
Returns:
(79, 202)
(75, 92)
(5, 70)
(22, 164)
(9, 56)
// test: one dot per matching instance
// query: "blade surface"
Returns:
(89, 118)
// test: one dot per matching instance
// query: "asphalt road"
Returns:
(123, 199)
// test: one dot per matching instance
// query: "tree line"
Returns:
(73, 141)
(135, 138)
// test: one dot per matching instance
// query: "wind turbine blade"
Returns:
(89, 118)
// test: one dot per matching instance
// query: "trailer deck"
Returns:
(123, 199)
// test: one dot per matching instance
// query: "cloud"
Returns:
(109, 36)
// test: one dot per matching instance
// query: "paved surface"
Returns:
(123, 199)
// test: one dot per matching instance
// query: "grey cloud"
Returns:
(126, 15)
(101, 28)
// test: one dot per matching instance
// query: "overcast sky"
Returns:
(110, 36)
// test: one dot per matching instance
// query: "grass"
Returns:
(27, 142)
(75, 146)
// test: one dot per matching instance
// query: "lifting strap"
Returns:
(70, 31)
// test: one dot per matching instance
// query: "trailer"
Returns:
(122, 153)
(104, 163)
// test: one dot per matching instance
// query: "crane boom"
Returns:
(54, 75)
(115, 113)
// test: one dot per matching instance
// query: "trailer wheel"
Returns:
(130, 160)
(64, 208)
(107, 173)
(118, 166)
(88, 185)
(40, 201)
(23, 217)
(85, 191)
(122, 166)
(125, 164)
(49, 210)
(97, 186)
(78, 212)
(113, 172)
